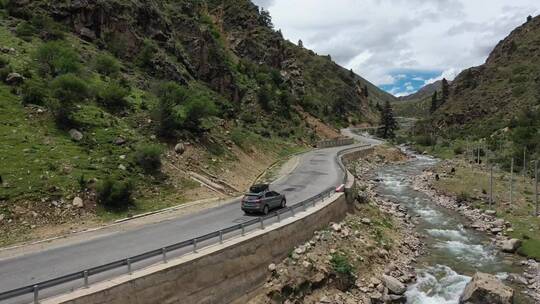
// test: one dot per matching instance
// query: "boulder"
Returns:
(366, 221)
(272, 267)
(180, 148)
(87, 34)
(78, 202)
(75, 135)
(510, 245)
(490, 212)
(486, 289)
(119, 141)
(393, 285)
(14, 79)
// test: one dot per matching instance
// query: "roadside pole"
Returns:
(524, 163)
(511, 180)
(491, 187)
(536, 185)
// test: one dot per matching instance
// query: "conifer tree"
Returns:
(388, 122)
(433, 102)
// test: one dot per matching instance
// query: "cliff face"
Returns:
(492, 94)
(217, 42)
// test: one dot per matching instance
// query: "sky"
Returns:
(401, 45)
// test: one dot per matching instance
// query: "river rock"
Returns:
(486, 289)
(78, 202)
(14, 79)
(272, 267)
(490, 212)
(393, 285)
(180, 148)
(510, 245)
(75, 135)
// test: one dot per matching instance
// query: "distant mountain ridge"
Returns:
(425, 91)
(489, 96)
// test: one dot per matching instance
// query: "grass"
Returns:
(472, 181)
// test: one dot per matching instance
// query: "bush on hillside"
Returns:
(113, 96)
(148, 157)
(170, 95)
(107, 65)
(66, 90)
(47, 27)
(34, 92)
(116, 195)
(3, 62)
(57, 58)
(25, 31)
(146, 54)
(194, 110)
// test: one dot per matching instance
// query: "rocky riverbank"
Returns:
(484, 221)
(364, 259)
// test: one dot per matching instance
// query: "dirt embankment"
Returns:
(364, 259)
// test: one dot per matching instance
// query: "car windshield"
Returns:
(258, 188)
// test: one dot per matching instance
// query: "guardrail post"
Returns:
(261, 220)
(292, 211)
(128, 261)
(195, 245)
(278, 217)
(164, 254)
(304, 205)
(221, 237)
(243, 229)
(36, 294)
(86, 279)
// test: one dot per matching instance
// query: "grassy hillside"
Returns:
(487, 98)
(117, 102)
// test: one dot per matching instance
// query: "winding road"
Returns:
(316, 171)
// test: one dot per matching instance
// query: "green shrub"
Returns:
(50, 29)
(117, 44)
(4, 62)
(57, 58)
(341, 264)
(194, 110)
(113, 96)
(107, 65)
(148, 157)
(25, 31)
(170, 95)
(4, 72)
(34, 92)
(114, 194)
(146, 54)
(459, 150)
(67, 90)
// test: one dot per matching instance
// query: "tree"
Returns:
(113, 96)
(433, 102)
(300, 43)
(265, 18)
(388, 122)
(445, 90)
(67, 90)
(170, 94)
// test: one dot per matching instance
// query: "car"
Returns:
(261, 199)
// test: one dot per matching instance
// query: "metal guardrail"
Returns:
(335, 142)
(218, 235)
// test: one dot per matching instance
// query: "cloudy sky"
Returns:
(401, 45)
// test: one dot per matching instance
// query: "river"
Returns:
(453, 253)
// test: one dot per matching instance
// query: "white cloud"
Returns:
(449, 74)
(378, 37)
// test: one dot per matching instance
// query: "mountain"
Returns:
(120, 103)
(417, 105)
(425, 92)
(489, 97)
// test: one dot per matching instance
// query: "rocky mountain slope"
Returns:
(425, 92)
(489, 96)
(111, 108)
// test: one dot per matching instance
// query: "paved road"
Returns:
(316, 171)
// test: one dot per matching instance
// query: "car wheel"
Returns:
(283, 203)
(266, 210)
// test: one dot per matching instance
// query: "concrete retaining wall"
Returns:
(217, 274)
(335, 142)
